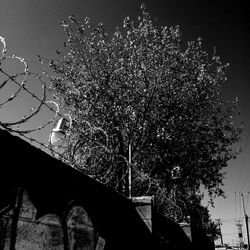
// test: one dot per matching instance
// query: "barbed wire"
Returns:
(13, 127)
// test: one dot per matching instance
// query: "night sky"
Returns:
(32, 28)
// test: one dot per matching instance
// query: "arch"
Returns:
(80, 229)
(45, 233)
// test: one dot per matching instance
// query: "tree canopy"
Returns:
(142, 87)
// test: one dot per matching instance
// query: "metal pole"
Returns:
(239, 227)
(246, 220)
(129, 171)
(221, 239)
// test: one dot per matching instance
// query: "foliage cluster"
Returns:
(142, 88)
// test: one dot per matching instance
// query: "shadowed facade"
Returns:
(64, 206)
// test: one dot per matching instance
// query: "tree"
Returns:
(142, 88)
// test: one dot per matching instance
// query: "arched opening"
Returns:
(44, 233)
(80, 230)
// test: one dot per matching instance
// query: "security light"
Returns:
(59, 131)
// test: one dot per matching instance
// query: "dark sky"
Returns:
(32, 27)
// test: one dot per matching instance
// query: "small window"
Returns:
(45, 233)
(80, 230)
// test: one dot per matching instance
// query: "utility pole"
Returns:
(240, 235)
(221, 239)
(246, 220)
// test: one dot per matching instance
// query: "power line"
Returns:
(232, 219)
(230, 233)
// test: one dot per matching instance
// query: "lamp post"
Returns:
(129, 171)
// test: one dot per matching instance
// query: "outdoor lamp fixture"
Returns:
(175, 172)
(59, 131)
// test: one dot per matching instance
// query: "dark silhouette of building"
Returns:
(60, 207)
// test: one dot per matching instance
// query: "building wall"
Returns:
(47, 232)
(186, 228)
(143, 207)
